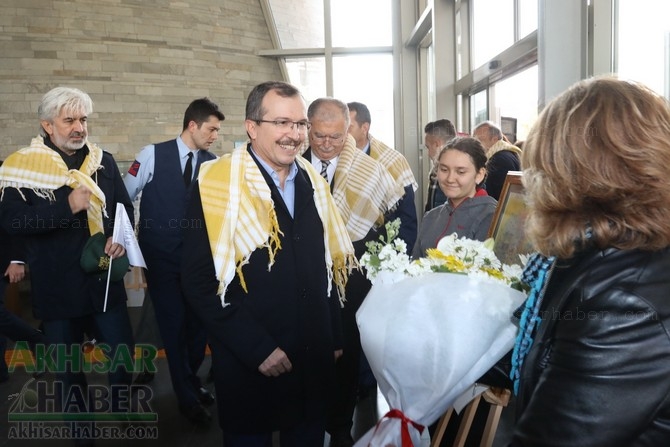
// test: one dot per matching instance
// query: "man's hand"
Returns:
(15, 272)
(277, 363)
(114, 250)
(79, 199)
(338, 354)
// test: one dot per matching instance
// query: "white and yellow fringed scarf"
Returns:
(394, 162)
(42, 170)
(240, 217)
(363, 190)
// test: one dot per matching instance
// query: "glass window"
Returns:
(516, 97)
(299, 23)
(458, 35)
(527, 17)
(493, 29)
(478, 108)
(357, 23)
(309, 75)
(643, 29)
(431, 83)
(368, 79)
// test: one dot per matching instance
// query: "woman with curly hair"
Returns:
(591, 364)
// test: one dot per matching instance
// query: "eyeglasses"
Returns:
(287, 125)
(318, 138)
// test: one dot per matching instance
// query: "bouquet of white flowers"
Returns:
(431, 327)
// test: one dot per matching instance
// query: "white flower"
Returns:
(452, 254)
(524, 259)
(400, 246)
(447, 243)
(418, 268)
(513, 271)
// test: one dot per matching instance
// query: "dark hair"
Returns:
(254, 109)
(441, 128)
(362, 112)
(200, 110)
(470, 146)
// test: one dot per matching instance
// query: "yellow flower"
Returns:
(498, 274)
(450, 262)
(434, 253)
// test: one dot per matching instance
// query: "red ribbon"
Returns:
(404, 426)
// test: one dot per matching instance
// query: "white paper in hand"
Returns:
(124, 234)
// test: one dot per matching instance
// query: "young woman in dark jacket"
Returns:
(592, 361)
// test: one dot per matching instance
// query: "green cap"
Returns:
(95, 261)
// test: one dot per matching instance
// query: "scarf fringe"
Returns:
(241, 218)
(39, 192)
(273, 245)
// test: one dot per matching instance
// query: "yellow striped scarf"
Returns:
(394, 162)
(240, 217)
(41, 169)
(363, 190)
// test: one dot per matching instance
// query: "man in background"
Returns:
(502, 156)
(394, 162)
(164, 173)
(58, 193)
(364, 192)
(436, 135)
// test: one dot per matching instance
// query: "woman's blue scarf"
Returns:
(535, 274)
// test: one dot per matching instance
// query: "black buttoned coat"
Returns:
(286, 307)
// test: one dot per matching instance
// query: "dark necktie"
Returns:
(324, 169)
(188, 170)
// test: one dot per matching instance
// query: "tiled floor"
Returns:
(171, 428)
(174, 430)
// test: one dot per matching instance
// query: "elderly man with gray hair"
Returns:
(503, 156)
(58, 194)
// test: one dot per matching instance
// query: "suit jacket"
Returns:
(285, 307)
(163, 204)
(358, 285)
(11, 249)
(497, 168)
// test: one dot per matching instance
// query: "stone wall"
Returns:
(142, 62)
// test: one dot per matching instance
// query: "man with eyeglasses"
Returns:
(264, 272)
(365, 193)
(395, 163)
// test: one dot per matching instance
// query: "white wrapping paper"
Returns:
(428, 339)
